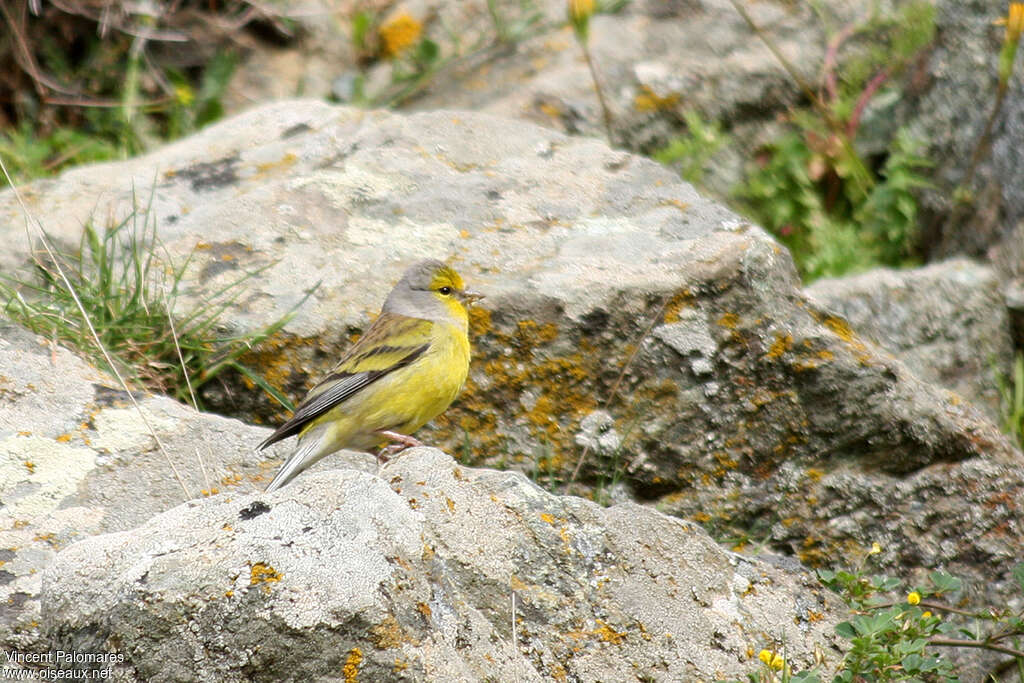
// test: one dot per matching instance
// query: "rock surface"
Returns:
(412, 574)
(948, 322)
(951, 113)
(76, 459)
(741, 404)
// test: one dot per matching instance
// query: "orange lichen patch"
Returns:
(563, 533)
(815, 617)
(231, 480)
(399, 33)
(558, 673)
(424, 609)
(547, 518)
(550, 110)
(388, 634)
(647, 100)
(682, 299)
(63, 438)
(451, 504)
(840, 327)
(276, 360)
(479, 321)
(350, 671)
(729, 321)
(209, 492)
(283, 163)
(530, 335)
(30, 466)
(608, 634)
(782, 343)
(814, 474)
(400, 665)
(677, 203)
(263, 575)
(50, 539)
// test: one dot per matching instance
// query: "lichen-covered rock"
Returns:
(949, 113)
(76, 459)
(948, 322)
(428, 571)
(736, 399)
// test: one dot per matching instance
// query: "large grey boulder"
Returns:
(742, 403)
(77, 459)
(427, 571)
(948, 322)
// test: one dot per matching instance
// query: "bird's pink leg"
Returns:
(403, 441)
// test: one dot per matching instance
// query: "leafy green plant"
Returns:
(128, 295)
(904, 638)
(692, 150)
(80, 85)
(836, 210)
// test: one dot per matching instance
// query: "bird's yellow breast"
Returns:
(408, 398)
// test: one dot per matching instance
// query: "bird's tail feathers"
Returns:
(311, 449)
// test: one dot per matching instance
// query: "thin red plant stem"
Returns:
(862, 102)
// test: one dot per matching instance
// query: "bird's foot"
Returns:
(403, 441)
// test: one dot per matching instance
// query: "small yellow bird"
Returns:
(404, 371)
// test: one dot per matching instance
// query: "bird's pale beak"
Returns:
(468, 296)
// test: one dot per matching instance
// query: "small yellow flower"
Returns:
(914, 598)
(1015, 22)
(926, 615)
(580, 9)
(777, 662)
(184, 95)
(398, 33)
(580, 12)
(876, 548)
(765, 656)
(1014, 28)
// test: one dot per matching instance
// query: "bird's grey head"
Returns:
(416, 294)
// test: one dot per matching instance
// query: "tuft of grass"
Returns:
(129, 295)
(31, 155)
(1011, 390)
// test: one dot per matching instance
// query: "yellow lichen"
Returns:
(388, 634)
(350, 672)
(647, 100)
(683, 298)
(782, 343)
(608, 634)
(263, 575)
(729, 321)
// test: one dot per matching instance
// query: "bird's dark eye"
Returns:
(445, 290)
